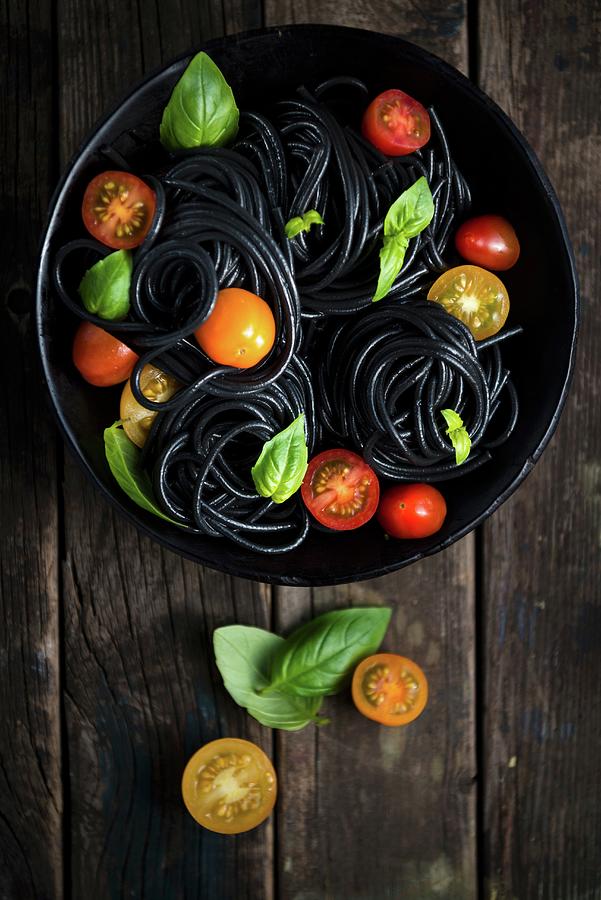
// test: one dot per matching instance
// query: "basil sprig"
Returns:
(409, 214)
(104, 289)
(280, 469)
(458, 435)
(201, 111)
(282, 682)
(297, 224)
(124, 460)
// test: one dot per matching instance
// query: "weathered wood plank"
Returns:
(142, 689)
(542, 592)
(30, 746)
(367, 811)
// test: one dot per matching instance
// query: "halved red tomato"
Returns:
(118, 209)
(396, 124)
(340, 490)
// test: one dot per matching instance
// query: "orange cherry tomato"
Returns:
(229, 786)
(118, 209)
(488, 241)
(157, 386)
(390, 689)
(240, 331)
(100, 358)
(412, 510)
(476, 297)
(396, 124)
(340, 489)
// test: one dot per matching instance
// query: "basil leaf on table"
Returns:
(243, 655)
(201, 111)
(407, 217)
(104, 289)
(297, 224)
(123, 458)
(458, 435)
(318, 658)
(279, 471)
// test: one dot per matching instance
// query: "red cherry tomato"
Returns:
(396, 124)
(118, 209)
(412, 510)
(488, 241)
(100, 358)
(340, 490)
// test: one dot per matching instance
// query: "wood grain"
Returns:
(369, 812)
(142, 690)
(542, 587)
(30, 751)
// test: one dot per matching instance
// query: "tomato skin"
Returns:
(412, 510)
(475, 296)
(240, 331)
(229, 786)
(158, 386)
(389, 689)
(396, 123)
(488, 241)
(100, 358)
(351, 487)
(127, 202)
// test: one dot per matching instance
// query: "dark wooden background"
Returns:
(107, 682)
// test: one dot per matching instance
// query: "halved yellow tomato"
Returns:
(136, 419)
(229, 786)
(475, 296)
(390, 689)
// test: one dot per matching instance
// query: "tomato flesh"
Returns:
(340, 490)
(412, 511)
(100, 358)
(389, 689)
(240, 331)
(118, 209)
(488, 241)
(137, 420)
(396, 123)
(229, 786)
(476, 297)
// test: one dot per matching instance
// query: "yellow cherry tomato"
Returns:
(475, 296)
(158, 387)
(390, 689)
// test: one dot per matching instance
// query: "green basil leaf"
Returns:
(411, 212)
(280, 469)
(458, 435)
(392, 257)
(243, 655)
(104, 289)
(201, 111)
(302, 223)
(123, 458)
(319, 657)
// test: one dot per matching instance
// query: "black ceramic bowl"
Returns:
(505, 177)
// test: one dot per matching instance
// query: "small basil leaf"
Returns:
(201, 111)
(458, 435)
(411, 212)
(123, 458)
(104, 289)
(243, 655)
(302, 223)
(319, 657)
(392, 257)
(280, 469)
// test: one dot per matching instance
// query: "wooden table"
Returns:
(107, 682)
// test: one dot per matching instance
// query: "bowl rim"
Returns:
(448, 71)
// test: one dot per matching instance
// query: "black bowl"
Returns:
(505, 178)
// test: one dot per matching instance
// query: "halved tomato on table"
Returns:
(340, 490)
(157, 386)
(118, 209)
(229, 786)
(390, 689)
(396, 123)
